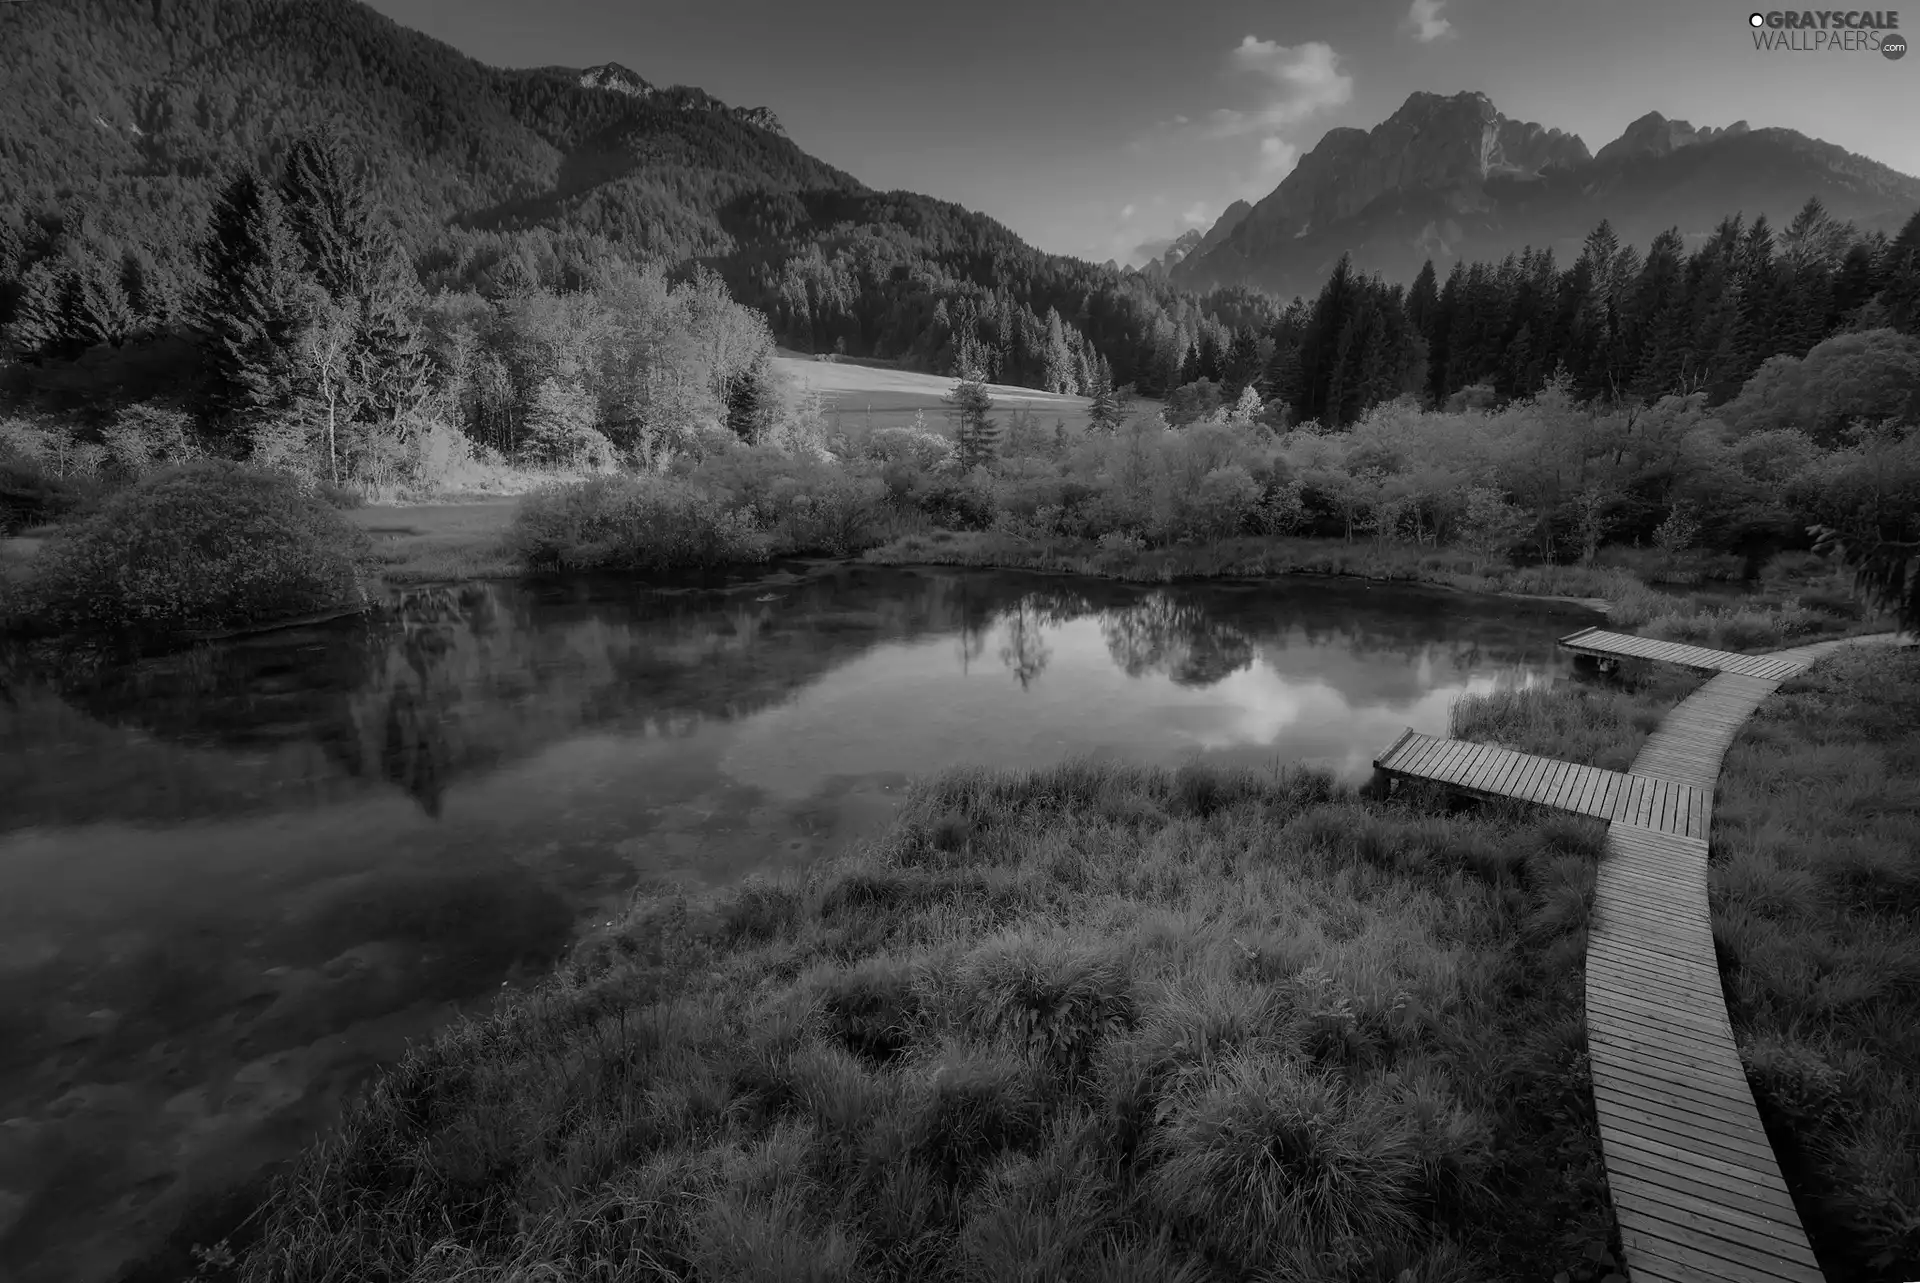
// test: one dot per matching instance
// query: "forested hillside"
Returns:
(125, 119)
(476, 192)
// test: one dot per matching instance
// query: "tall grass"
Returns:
(1089, 1023)
(1601, 724)
(1816, 918)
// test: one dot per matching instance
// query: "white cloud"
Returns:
(1298, 82)
(1277, 155)
(1197, 214)
(1126, 211)
(1423, 17)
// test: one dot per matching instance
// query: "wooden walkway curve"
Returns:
(1486, 771)
(1694, 1183)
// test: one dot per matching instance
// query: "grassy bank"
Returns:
(1089, 1023)
(1601, 724)
(1245, 558)
(1816, 916)
(429, 543)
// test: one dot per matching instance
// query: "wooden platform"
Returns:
(1664, 805)
(1694, 1183)
(1605, 645)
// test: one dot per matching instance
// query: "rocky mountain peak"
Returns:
(1655, 135)
(1432, 143)
(611, 75)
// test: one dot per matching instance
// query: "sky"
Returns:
(1092, 126)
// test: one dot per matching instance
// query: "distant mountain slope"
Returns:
(145, 103)
(1452, 179)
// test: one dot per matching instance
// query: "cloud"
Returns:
(1277, 154)
(1296, 82)
(1197, 214)
(1126, 211)
(1423, 17)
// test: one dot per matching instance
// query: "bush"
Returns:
(965, 502)
(632, 523)
(204, 547)
(31, 496)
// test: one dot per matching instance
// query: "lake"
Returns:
(237, 880)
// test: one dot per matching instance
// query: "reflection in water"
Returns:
(235, 880)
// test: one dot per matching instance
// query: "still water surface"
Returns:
(235, 881)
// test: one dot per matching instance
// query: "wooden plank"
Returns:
(1611, 800)
(1653, 1020)
(1414, 757)
(1406, 751)
(1746, 1131)
(1486, 777)
(1457, 769)
(1644, 1238)
(1564, 784)
(1526, 786)
(1442, 752)
(1757, 1224)
(1735, 1178)
(1751, 1258)
(1691, 1136)
(1691, 982)
(1679, 1059)
(1756, 1199)
(1394, 748)
(1483, 767)
(1556, 780)
(1711, 1099)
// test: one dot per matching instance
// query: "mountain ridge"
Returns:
(1451, 178)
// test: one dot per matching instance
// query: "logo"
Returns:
(1829, 31)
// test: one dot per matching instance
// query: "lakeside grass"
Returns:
(1245, 558)
(436, 542)
(1094, 1022)
(1815, 892)
(1592, 723)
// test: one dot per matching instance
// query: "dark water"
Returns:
(235, 881)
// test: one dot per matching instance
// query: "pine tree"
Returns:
(253, 303)
(1057, 374)
(976, 434)
(1423, 301)
(1440, 338)
(1899, 297)
(1241, 366)
(327, 212)
(355, 260)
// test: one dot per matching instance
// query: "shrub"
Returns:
(962, 503)
(923, 449)
(207, 546)
(31, 496)
(632, 523)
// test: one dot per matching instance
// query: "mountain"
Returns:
(1163, 255)
(135, 110)
(1450, 178)
(1160, 255)
(123, 120)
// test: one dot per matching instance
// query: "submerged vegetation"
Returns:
(1090, 1023)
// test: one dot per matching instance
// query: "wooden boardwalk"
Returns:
(1695, 1187)
(1605, 645)
(1485, 771)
